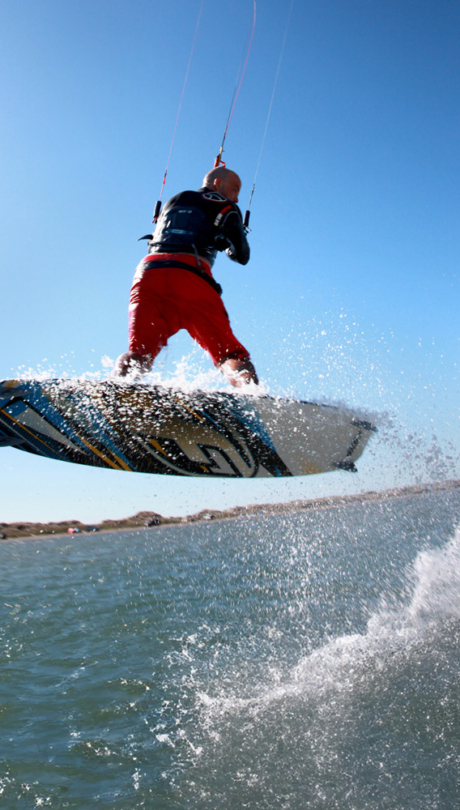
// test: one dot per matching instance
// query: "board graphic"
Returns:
(153, 429)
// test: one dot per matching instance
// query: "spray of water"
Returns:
(393, 632)
(335, 361)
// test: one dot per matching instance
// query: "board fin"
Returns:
(347, 464)
(10, 441)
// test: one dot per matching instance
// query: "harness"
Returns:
(191, 223)
(150, 265)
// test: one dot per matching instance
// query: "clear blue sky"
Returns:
(352, 292)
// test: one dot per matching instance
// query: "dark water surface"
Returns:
(271, 663)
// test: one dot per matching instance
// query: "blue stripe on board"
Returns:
(246, 412)
(34, 395)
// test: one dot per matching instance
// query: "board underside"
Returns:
(152, 429)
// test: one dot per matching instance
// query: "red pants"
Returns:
(164, 300)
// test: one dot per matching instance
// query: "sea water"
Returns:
(292, 662)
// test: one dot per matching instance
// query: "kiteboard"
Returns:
(154, 429)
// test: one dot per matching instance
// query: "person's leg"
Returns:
(208, 323)
(149, 326)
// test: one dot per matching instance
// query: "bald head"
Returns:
(224, 181)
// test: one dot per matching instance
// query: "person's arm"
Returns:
(232, 229)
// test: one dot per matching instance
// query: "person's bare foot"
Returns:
(239, 372)
(131, 364)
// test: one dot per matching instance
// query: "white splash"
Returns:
(335, 669)
(393, 629)
(190, 373)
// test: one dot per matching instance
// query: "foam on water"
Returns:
(434, 601)
(352, 722)
(395, 628)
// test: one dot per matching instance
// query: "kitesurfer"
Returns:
(173, 287)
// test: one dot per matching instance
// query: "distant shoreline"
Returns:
(18, 530)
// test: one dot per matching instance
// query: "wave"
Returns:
(432, 602)
(367, 720)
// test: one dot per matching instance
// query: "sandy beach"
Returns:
(18, 530)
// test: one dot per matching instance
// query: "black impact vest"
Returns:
(201, 222)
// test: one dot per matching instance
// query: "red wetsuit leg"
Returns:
(204, 316)
(152, 319)
(164, 300)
